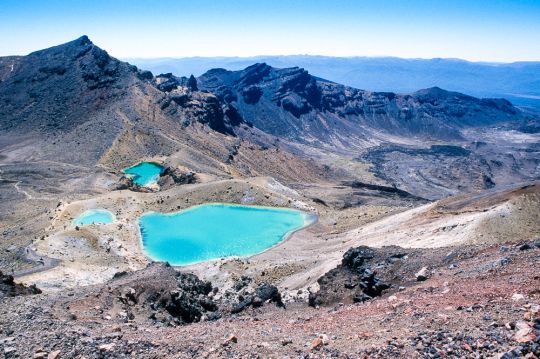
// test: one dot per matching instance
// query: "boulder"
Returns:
(354, 279)
(268, 292)
(177, 176)
(422, 274)
(263, 293)
(162, 294)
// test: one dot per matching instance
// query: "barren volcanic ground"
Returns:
(426, 242)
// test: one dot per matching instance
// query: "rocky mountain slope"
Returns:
(80, 100)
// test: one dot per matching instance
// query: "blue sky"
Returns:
(478, 30)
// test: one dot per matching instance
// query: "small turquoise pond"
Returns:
(94, 216)
(144, 173)
(213, 231)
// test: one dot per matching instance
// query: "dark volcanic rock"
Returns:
(251, 94)
(355, 278)
(8, 287)
(126, 182)
(170, 297)
(384, 190)
(171, 177)
(189, 302)
(457, 168)
(355, 258)
(192, 83)
(167, 82)
(265, 292)
(268, 292)
(203, 106)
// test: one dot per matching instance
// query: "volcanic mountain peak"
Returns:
(81, 42)
(76, 97)
(64, 82)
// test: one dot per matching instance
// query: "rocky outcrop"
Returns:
(169, 178)
(189, 302)
(164, 295)
(170, 297)
(126, 182)
(8, 287)
(175, 176)
(197, 105)
(355, 274)
(264, 293)
(384, 190)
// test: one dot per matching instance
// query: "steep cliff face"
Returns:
(182, 93)
(292, 103)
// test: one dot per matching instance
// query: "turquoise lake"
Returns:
(213, 231)
(94, 216)
(145, 173)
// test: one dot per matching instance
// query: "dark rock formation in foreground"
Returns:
(164, 295)
(8, 288)
(264, 293)
(355, 276)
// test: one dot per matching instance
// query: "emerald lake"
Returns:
(213, 231)
(94, 216)
(144, 173)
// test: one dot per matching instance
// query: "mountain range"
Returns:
(76, 103)
(518, 82)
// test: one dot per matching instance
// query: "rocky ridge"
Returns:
(296, 105)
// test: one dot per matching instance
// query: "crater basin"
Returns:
(213, 231)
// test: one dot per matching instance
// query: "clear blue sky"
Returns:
(479, 30)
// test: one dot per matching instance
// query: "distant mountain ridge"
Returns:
(292, 103)
(518, 82)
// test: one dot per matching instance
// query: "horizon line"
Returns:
(125, 58)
